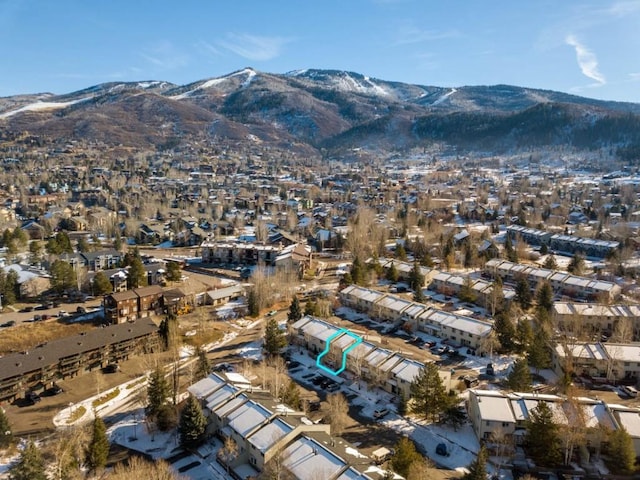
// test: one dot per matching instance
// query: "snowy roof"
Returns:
(630, 420)
(247, 417)
(352, 474)
(623, 352)
(226, 408)
(467, 325)
(304, 456)
(397, 304)
(264, 438)
(343, 341)
(592, 351)
(206, 386)
(390, 362)
(220, 396)
(494, 408)
(407, 370)
(361, 351)
(319, 329)
(237, 379)
(377, 356)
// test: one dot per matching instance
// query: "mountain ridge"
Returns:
(311, 110)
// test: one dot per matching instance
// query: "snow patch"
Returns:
(444, 97)
(40, 106)
(251, 74)
(354, 452)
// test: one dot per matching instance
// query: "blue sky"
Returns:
(589, 48)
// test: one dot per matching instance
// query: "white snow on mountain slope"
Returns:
(216, 81)
(347, 83)
(444, 97)
(40, 106)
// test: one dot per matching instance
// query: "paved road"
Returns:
(21, 317)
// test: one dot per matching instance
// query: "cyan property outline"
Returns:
(358, 341)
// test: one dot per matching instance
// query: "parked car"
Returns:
(10, 323)
(333, 387)
(54, 390)
(490, 370)
(272, 313)
(63, 313)
(381, 413)
(32, 398)
(314, 406)
(441, 449)
(81, 310)
(111, 368)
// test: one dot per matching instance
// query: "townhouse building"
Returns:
(611, 362)
(128, 305)
(264, 429)
(563, 243)
(595, 318)
(561, 282)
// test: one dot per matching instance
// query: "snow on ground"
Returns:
(251, 351)
(230, 309)
(38, 106)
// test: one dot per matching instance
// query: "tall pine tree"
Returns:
(203, 366)
(621, 453)
(543, 436)
(157, 392)
(98, 450)
(519, 378)
(193, 424)
(274, 338)
(405, 454)
(30, 465)
(428, 393)
(295, 312)
(478, 468)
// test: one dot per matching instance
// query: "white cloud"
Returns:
(165, 56)
(587, 60)
(624, 8)
(253, 47)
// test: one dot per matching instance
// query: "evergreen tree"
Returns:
(392, 273)
(193, 424)
(157, 392)
(252, 304)
(478, 468)
(621, 453)
(505, 331)
(403, 405)
(274, 338)
(523, 294)
(467, 294)
(519, 379)
(576, 265)
(295, 312)
(136, 275)
(203, 367)
(401, 252)
(428, 393)
(454, 415)
(544, 249)
(509, 251)
(291, 396)
(169, 332)
(357, 272)
(416, 278)
(426, 260)
(101, 284)
(544, 296)
(35, 251)
(173, 271)
(6, 436)
(524, 335)
(418, 296)
(538, 353)
(312, 308)
(550, 262)
(30, 465)
(98, 450)
(63, 277)
(405, 454)
(543, 436)
(83, 246)
(117, 242)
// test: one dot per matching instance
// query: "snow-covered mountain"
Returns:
(324, 109)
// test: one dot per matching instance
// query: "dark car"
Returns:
(32, 398)
(490, 370)
(54, 390)
(314, 406)
(10, 323)
(81, 310)
(441, 449)
(293, 364)
(318, 380)
(111, 368)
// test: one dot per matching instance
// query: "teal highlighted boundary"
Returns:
(358, 341)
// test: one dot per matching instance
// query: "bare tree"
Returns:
(228, 452)
(574, 433)
(338, 413)
(137, 468)
(421, 469)
(622, 331)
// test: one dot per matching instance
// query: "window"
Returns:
(252, 460)
(488, 422)
(505, 424)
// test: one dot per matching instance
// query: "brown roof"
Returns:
(146, 291)
(126, 295)
(50, 353)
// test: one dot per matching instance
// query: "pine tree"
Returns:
(169, 332)
(295, 312)
(291, 396)
(392, 273)
(311, 308)
(550, 263)
(274, 338)
(538, 353)
(428, 393)
(6, 435)
(621, 453)
(173, 271)
(416, 278)
(157, 392)
(478, 468)
(467, 294)
(523, 294)
(524, 335)
(136, 275)
(576, 265)
(405, 454)
(544, 296)
(101, 284)
(519, 379)
(203, 366)
(357, 272)
(510, 252)
(418, 296)
(98, 450)
(403, 405)
(505, 331)
(543, 437)
(30, 465)
(193, 424)
(401, 252)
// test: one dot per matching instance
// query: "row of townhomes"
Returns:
(562, 282)
(563, 243)
(265, 431)
(594, 317)
(494, 413)
(378, 366)
(606, 361)
(459, 329)
(38, 368)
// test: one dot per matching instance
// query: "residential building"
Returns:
(596, 318)
(129, 305)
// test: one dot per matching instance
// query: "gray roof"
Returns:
(50, 353)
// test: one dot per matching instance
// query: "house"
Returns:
(596, 318)
(221, 296)
(102, 259)
(610, 361)
(126, 306)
